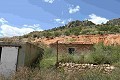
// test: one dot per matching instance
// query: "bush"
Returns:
(67, 33)
(67, 58)
(85, 31)
(75, 30)
(57, 34)
(48, 62)
(72, 58)
(47, 34)
(104, 54)
(49, 58)
(48, 52)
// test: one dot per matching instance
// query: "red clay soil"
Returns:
(109, 39)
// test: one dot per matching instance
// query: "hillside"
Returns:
(78, 28)
(114, 22)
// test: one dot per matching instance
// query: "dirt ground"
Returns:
(108, 39)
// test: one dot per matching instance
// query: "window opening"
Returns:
(71, 50)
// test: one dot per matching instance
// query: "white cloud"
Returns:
(74, 10)
(97, 19)
(9, 31)
(49, 1)
(3, 21)
(34, 26)
(60, 21)
(57, 20)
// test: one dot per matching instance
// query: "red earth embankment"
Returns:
(109, 39)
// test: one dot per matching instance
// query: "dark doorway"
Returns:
(0, 52)
(71, 50)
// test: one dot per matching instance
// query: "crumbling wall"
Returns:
(73, 67)
(32, 53)
(79, 48)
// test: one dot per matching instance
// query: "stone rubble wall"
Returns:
(73, 67)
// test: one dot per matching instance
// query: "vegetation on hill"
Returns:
(77, 28)
(114, 22)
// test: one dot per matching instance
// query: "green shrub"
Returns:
(75, 30)
(67, 33)
(67, 58)
(57, 34)
(86, 31)
(72, 58)
(104, 54)
(48, 62)
(47, 34)
(49, 58)
(48, 52)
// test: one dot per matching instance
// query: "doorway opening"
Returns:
(0, 52)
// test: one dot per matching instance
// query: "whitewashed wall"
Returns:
(8, 60)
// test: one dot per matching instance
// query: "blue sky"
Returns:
(19, 17)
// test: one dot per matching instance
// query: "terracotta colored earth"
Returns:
(109, 39)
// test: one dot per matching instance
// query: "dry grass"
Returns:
(53, 74)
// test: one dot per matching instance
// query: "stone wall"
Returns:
(72, 67)
(63, 48)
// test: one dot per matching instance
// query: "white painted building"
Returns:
(15, 56)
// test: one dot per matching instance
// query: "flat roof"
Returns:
(3, 44)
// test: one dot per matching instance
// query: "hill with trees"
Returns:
(114, 22)
(78, 28)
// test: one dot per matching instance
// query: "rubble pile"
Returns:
(73, 67)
